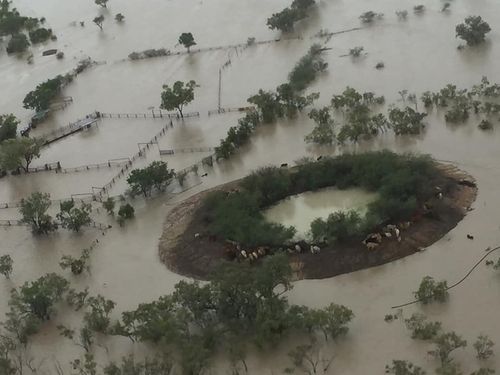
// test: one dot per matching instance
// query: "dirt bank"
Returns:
(186, 250)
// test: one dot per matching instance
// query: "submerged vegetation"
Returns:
(237, 216)
(286, 19)
(286, 101)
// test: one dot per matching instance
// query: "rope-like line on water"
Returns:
(458, 282)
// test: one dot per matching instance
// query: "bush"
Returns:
(339, 227)
(17, 43)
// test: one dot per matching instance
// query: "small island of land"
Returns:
(419, 201)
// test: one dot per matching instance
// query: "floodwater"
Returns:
(301, 210)
(419, 54)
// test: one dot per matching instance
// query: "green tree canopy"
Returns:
(187, 40)
(34, 213)
(38, 297)
(98, 21)
(177, 96)
(19, 152)
(74, 218)
(473, 30)
(156, 175)
(40, 98)
(6, 264)
(8, 127)
(17, 43)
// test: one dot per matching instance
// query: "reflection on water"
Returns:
(300, 210)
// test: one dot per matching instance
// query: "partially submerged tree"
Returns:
(6, 264)
(34, 213)
(421, 328)
(97, 318)
(98, 21)
(324, 132)
(8, 127)
(76, 265)
(18, 43)
(177, 96)
(445, 344)
(473, 30)
(40, 98)
(119, 17)
(430, 290)
(39, 297)
(187, 40)
(126, 212)
(102, 3)
(156, 175)
(483, 347)
(403, 368)
(309, 359)
(72, 217)
(19, 152)
(109, 205)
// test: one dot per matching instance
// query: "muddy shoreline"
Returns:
(197, 256)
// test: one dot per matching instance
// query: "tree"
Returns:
(483, 347)
(268, 105)
(445, 344)
(98, 21)
(97, 319)
(17, 43)
(126, 212)
(8, 127)
(156, 175)
(109, 205)
(158, 365)
(38, 297)
(285, 19)
(6, 263)
(19, 152)
(40, 98)
(119, 17)
(77, 265)
(72, 217)
(177, 96)
(473, 30)
(102, 3)
(403, 368)
(34, 213)
(40, 35)
(421, 328)
(324, 132)
(309, 359)
(430, 291)
(187, 40)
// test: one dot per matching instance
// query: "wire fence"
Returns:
(186, 150)
(229, 110)
(152, 115)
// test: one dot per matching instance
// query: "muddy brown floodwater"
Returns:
(419, 54)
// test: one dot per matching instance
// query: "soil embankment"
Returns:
(185, 249)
